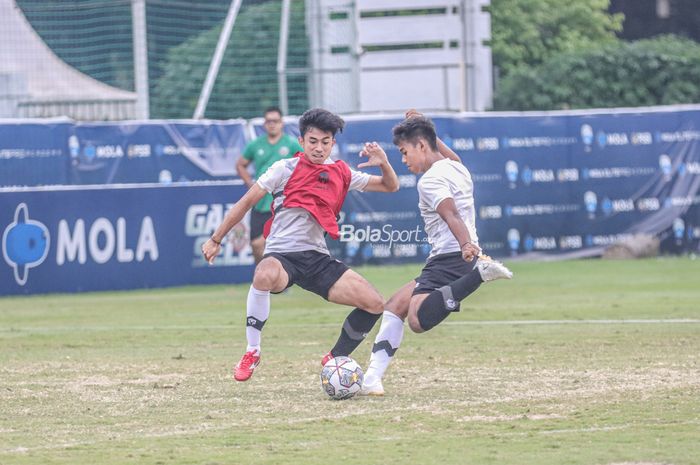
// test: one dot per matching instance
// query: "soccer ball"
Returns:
(341, 378)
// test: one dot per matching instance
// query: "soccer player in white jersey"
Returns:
(455, 267)
(308, 191)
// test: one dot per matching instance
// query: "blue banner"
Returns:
(557, 184)
(550, 184)
(33, 153)
(114, 153)
(89, 239)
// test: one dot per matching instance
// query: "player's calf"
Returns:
(355, 328)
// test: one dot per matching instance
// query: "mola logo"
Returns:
(25, 244)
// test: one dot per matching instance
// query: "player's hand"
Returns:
(210, 250)
(376, 156)
(470, 251)
(412, 113)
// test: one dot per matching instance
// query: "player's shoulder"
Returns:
(255, 145)
(285, 164)
(442, 173)
(261, 139)
(450, 169)
(429, 179)
(437, 171)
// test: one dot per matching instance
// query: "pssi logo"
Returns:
(25, 244)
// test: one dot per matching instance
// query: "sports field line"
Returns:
(50, 329)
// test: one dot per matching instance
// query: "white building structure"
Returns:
(34, 82)
(389, 55)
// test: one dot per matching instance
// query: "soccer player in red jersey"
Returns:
(308, 191)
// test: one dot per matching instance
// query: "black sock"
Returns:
(357, 324)
(445, 300)
(433, 310)
(465, 285)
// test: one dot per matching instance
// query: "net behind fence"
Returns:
(96, 38)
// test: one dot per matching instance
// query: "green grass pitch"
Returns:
(583, 362)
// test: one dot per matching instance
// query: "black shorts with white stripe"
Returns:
(314, 271)
(441, 270)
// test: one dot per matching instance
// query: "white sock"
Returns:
(386, 344)
(258, 309)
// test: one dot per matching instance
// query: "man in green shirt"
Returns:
(263, 152)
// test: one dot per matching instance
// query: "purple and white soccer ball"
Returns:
(341, 378)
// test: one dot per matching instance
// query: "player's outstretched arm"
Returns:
(210, 249)
(447, 209)
(444, 150)
(388, 181)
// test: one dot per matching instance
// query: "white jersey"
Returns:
(295, 229)
(446, 179)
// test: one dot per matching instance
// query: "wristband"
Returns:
(215, 241)
(462, 246)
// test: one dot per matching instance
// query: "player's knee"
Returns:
(397, 307)
(375, 304)
(265, 278)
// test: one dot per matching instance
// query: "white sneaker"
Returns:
(491, 270)
(375, 389)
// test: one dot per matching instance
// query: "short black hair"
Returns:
(412, 129)
(271, 109)
(320, 119)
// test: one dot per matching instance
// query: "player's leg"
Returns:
(452, 279)
(270, 275)
(354, 290)
(427, 310)
(388, 339)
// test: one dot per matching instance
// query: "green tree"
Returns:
(529, 32)
(660, 71)
(247, 80)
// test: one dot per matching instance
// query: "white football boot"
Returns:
(375, 389)
(491, 270)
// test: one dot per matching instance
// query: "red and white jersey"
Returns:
(295, 229)
(446, 179)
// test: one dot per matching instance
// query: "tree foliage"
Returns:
(529, 32)
(659, 71)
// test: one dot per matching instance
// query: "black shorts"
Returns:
(311, 270)
(442, 270)
(257, 222)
